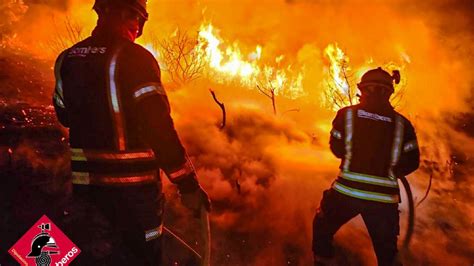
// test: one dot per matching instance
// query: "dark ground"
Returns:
(35, 182)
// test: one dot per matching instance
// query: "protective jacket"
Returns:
(110, 96)
(376, 145)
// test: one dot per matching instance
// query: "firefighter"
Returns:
(376, 146)
(110, 96)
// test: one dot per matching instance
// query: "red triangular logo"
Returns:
(43, 245)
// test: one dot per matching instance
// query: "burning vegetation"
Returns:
(264, 165)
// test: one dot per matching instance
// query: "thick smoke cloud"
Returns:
(264, 177)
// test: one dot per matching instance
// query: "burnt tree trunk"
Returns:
(221, 105)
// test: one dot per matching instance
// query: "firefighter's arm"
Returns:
(410, 154)
(336, 140)
(157, 128)
(159, 132)
(58, 95)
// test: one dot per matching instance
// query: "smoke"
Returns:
(51, 25)
(266, 173)
(11, 12)
(261, 173)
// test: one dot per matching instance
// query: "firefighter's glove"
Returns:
(196, 200)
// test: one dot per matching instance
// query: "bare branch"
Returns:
(291, 110)
(427, 189)
(264, 92)
(269, 93)
(66, 35)
(274, 101)
(181, 59)
(349, 90)
(221, 105)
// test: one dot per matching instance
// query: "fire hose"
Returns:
(411, 216)
(206, 237)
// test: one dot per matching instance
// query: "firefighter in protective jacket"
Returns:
(110, 96)
(376, 145)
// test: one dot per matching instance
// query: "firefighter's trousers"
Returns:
(117, 225)
(381, 220)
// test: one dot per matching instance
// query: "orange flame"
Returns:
(341, 79)
(229, 64)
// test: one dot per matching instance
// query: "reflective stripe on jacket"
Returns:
(95, 167)
(375, 147)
